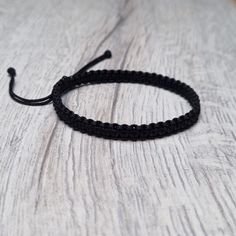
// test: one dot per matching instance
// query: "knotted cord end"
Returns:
(107, 54)
(11, 71)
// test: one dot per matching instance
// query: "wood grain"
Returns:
(55, 181)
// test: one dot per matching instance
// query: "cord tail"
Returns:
(106, 55)
(48, 99)
(30, 102)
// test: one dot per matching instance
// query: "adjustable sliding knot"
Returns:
(112, 130)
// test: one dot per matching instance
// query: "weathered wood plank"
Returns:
(55, 181)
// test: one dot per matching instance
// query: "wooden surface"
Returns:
(55, 181)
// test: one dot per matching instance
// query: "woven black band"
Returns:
(108, 130)
(125, 132)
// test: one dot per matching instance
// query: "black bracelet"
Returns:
(109, 130)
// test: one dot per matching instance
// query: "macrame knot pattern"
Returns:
(112, 130)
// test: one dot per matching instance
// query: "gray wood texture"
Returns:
(55, 181)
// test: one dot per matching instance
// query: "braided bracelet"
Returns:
(112, 130)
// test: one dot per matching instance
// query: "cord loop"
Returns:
(112, 130)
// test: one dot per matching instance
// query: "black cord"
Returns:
(46, 100)
(113, 130)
